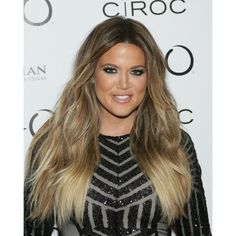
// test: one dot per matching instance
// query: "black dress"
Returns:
(121, 200)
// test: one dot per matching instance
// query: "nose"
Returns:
(124, 82)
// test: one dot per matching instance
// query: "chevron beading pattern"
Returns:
(120, 198)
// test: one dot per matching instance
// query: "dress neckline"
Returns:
(114, 137)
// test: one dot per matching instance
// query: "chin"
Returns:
(123, 114)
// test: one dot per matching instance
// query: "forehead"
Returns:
(125, 52)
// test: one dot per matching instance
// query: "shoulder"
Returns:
(196, 217)
(187, 145)
(186, 141)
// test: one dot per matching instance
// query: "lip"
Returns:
(122, 98)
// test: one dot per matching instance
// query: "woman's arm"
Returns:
(35, 227)
(196, 222)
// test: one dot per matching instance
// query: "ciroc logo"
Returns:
(134, 8)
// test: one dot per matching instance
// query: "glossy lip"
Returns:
(122, 98)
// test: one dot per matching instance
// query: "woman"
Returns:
(112, 159)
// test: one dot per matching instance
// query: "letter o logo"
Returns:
(49, 15)
(189, 68)
(32, 120)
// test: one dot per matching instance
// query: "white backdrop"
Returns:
(54, 31)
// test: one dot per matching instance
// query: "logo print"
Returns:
(133, 8)
(184, 111)
(189, 68)
(35, 73)
(32, 120)
(175, 10)
(42, 22)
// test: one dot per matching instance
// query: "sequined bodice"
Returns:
(120, 199)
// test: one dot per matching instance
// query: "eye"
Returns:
(137, 72)
(110, 69)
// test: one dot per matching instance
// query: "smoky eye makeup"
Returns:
(109, 69)
(137, 72)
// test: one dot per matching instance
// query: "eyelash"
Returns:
(109, 70)
(137, 72)
(112, 70)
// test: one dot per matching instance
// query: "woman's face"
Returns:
(121, 80)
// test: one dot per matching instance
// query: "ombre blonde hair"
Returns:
(65, 151)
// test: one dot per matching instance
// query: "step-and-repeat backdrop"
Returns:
(54, 30)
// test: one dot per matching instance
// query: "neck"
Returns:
(116, 126)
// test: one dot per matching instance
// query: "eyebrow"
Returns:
(113, 65)
(138, 66)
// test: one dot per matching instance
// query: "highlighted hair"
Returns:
(65, 151)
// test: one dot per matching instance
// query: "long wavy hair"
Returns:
(65, 151)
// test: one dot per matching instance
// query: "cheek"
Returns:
(141, 87)
(100, 87)
(102, 84)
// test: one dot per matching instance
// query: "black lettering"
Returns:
(138, 8)
(185, 111)
(104, 9)
(125, 8)
(155, 12)
(175, 11)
